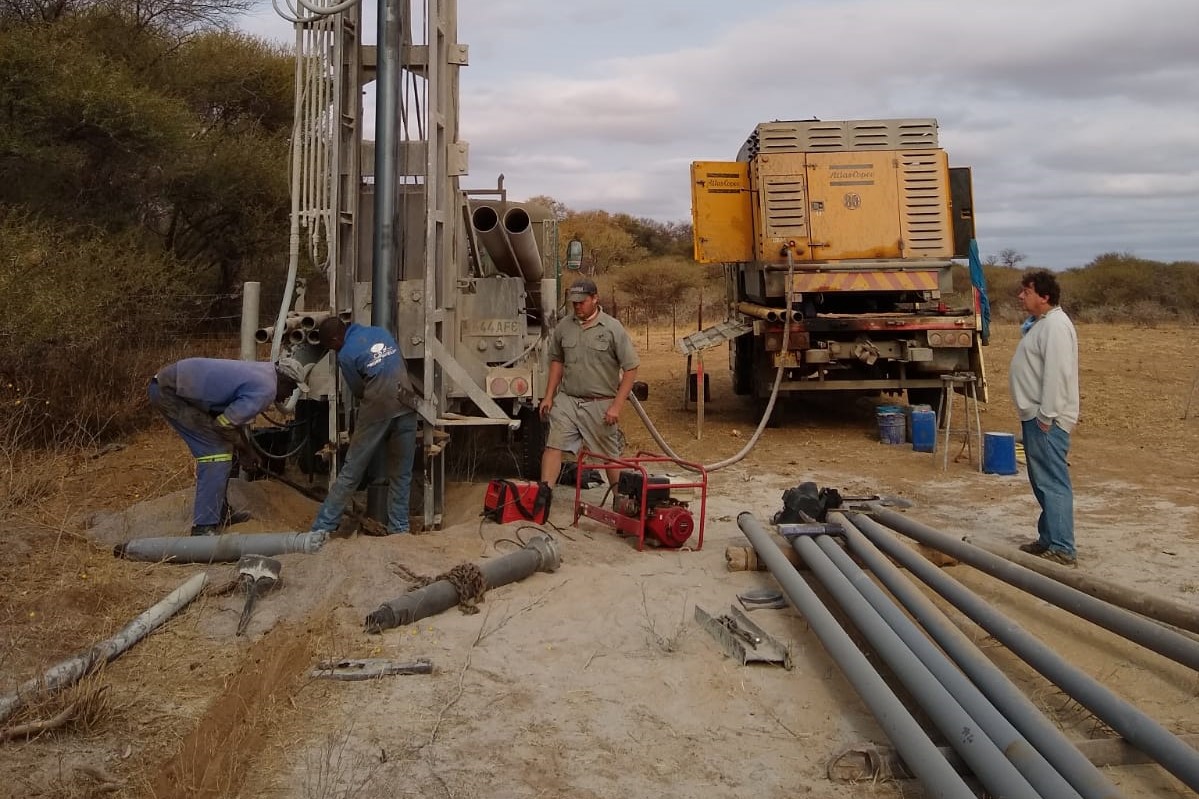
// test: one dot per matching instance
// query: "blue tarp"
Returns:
(979, 282)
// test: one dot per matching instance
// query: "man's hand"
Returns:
(248, 457)
(612, 415)
(546, 405)
(1043, 427)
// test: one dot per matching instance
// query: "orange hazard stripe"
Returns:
(889, 280)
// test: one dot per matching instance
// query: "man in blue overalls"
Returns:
(209, 402)
(370, 362)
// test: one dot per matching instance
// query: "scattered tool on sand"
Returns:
(257, 575)
(743, 640)
(354, 670)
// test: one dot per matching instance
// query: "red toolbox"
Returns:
(517, 501)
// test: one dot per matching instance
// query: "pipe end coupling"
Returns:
(382, 619)
(547, 548)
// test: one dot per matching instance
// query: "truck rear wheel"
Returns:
(743, 365)
(925, 396)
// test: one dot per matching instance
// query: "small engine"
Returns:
(667, 520)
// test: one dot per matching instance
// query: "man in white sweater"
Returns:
(1044, 386)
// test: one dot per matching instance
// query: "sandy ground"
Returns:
(593, 681)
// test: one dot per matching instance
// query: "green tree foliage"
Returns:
(660, 285)
(1114, 287)
(183, 138)
(606, 245)
(143, 168)
(613, 240)
(657, 238)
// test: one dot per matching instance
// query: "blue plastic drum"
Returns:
(999, 453)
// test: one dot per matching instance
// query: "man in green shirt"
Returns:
(592, 368)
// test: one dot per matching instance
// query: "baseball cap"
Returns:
(581, 289)
(293, 369)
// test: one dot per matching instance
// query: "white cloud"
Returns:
(1080, 119)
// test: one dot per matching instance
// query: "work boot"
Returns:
(1033, 548)
(230, 516)
(206, 529)
(1060, 558)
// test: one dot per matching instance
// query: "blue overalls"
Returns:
(192, 395)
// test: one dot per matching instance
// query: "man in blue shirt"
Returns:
(209, 402)
(370, 362)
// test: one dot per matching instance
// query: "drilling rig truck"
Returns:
(837, 240)
(465, 279)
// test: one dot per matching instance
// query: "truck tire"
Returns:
(743, 365)
(532, 442)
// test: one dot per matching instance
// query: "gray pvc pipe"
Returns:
(961, 728)
(485, 219)
(540, 554)
(1135, 628)
(1035, 768)
(1046, 738)
(519, 228)
(913, 744)
(251, 292)
(219, 548)
(1141, 731)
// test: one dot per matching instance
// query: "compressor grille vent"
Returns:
(855, 134)
(926, 224)
(785, 204)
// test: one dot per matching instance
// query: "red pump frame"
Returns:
(635, 525)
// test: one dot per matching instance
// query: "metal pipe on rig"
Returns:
(761, 311)
(485, 219)
(1126, 719)
(1148, 634)
(905, 733)
(922, 670)
(310, 319)
(264, 334)
(519, 228)
(219, 548)
(1026, 717)
(540, 554)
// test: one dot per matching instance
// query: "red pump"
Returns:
(642, 505)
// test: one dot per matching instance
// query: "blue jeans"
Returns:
(212, 450)
(400, 435)
(1050, 479)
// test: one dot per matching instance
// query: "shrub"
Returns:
(89, 316)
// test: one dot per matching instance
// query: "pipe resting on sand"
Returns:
(219, 549)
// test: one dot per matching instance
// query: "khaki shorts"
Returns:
(574, 422)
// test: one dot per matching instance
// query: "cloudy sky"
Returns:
(1080, 119)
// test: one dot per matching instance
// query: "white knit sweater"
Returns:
(1044, 373)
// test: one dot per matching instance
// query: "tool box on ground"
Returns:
(517, 501)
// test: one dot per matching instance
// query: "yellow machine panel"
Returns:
(781, 191)
(721, 212)
(854, 205)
